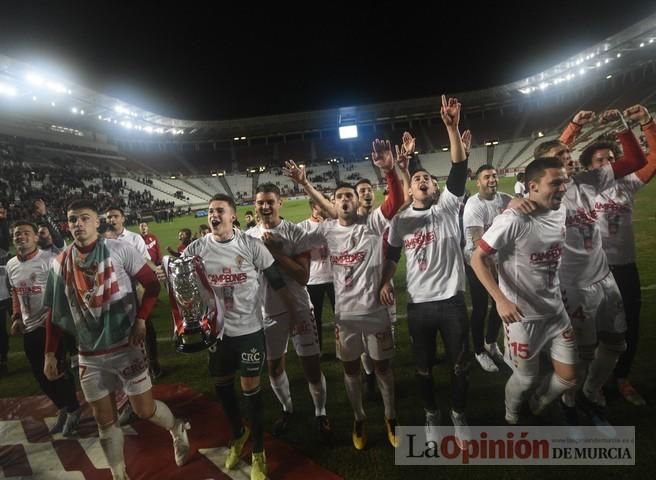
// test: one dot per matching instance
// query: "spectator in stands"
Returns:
(184, 238)
(520, 188)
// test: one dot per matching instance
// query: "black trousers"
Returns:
(479, 297)
(60, 391)
(627, 278)
(317, 293)
(151, 344)
(449, 318)
(5, 306)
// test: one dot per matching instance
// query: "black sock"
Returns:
(226, 393)
(254, 407)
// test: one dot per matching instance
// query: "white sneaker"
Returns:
(493, 351)
(180, 441)
(512, 418)
(463, 432)
(431, 429)
(486, 362)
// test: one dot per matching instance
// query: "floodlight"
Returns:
(348, 131)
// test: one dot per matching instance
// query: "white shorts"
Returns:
(525, 340)
(597, 308)
(352, 338)
(126, 368)
(304, 337)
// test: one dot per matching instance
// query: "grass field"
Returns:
(485, 401)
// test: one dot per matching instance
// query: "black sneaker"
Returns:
(281, 425)
(325, 430)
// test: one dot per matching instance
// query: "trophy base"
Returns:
(193, 341)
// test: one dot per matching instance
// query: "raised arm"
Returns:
(457, 179)
(634, 158)
(49, 222)
(297, 174)
(575, 126)
(648, 126)
(384, 159)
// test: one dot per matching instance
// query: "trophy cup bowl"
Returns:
(197, 320)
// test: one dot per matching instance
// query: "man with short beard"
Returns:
(480, 211)
(362, 323)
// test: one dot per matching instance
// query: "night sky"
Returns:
(196, 61)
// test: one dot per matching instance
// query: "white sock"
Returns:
(318, 393)
(601, 368)
(367, 363)
(569, 397)
(353, 386)
(386, 387)
(162, 416)
(280, 386)
(555, 387)
(111, 442)
(516, 388)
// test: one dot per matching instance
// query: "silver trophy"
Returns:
(197, 318)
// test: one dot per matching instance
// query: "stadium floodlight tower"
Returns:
(347, 123)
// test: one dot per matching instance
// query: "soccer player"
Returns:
(430, 234)
(289, 246)
(152, 243)
(528, 297)
(362, 323)
(320, 282)
(520, 188)
(234, 263)
(90, 295)
(28, 273)
(590, 294)
(480, 211)
(615, 218)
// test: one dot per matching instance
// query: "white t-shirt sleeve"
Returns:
(262, 258)
(473, 215)
(131, 258)
(142, 247)
(505, 229)
(395, 237)
(377, 222)
(449, 202)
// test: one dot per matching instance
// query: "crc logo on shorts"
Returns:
(253, 356)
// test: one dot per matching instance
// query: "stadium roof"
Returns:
(33, 99)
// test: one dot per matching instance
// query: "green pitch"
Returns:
(485, 401)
